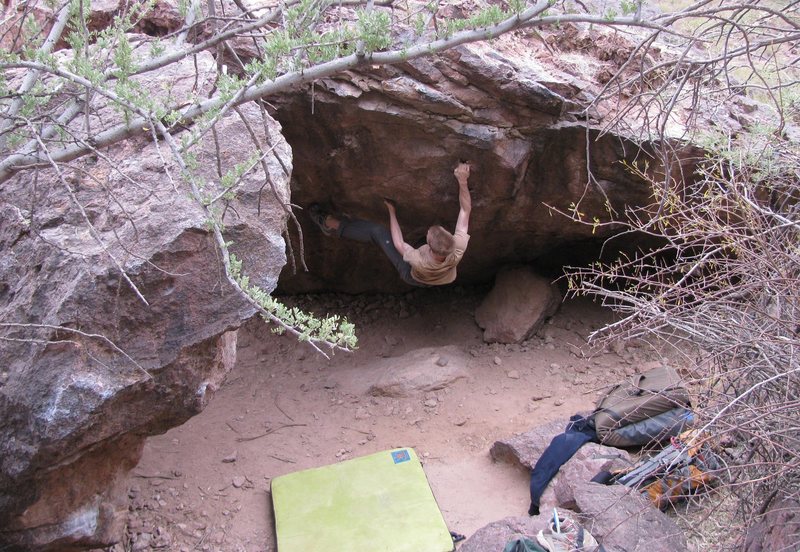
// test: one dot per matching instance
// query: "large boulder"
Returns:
(519, 304)
(118, 320)
(509, 107)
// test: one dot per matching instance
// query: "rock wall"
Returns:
(92, 365)
(400, 131)
(777, 529)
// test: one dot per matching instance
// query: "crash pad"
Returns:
(376, 503)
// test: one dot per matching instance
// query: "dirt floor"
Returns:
(205, 485)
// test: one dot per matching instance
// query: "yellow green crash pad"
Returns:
(376, 503)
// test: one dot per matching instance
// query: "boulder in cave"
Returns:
(518, 305)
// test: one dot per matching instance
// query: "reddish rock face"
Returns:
(74, 409)
(400, 132)
(778, 529)
(518, 305)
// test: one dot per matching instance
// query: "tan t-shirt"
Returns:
(426, 270)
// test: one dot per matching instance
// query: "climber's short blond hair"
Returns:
(441, 241)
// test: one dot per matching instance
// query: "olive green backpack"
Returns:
(649, 407)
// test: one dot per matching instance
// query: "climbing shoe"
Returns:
(319, 217)
(565, 535)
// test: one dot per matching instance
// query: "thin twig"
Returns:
(270, 432)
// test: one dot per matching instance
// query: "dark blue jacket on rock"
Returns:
(579, 431)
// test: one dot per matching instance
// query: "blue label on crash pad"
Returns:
(400, 456)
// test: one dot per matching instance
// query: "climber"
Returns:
(432, 264)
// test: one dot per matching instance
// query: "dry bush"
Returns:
(725, 281)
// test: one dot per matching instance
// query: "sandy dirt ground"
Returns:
(205, 485)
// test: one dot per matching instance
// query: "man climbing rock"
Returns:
(432, 264)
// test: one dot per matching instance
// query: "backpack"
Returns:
(648, 407)
(687, 466)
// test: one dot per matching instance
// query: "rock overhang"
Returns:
(524, 183)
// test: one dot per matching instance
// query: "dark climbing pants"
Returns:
(366, 231)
